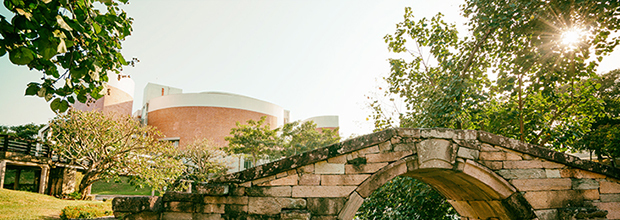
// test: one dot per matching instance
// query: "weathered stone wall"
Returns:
(483, 176)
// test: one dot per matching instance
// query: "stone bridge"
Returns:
(483, 176)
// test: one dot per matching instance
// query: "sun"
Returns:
(572, 36)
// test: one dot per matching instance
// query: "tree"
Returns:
(544, 53)
(297, 137)
(604, 137)
(26, 131)
(253, 139)
(201, 159)
(74, 43)
(406, 198)
(106, 146)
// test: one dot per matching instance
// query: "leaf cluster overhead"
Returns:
(75, 44)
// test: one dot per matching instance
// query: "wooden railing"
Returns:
(28, 147)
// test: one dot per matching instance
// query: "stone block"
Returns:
(499, 188)
(559, 198)
(553, 173)
(339, 159)
(492, 155)
(436, 153)
(284, 181)
(580, 174)
(275, 191)
(210, 208)
(363, 168)
(585, 184)
(137, 204)
(322, 191)
(385, 146)
(272, 206)
(176, 216)
(488, 148)
(351, 206)
(442, 133)
(306, 169)
(179, 206)
(610, 197)
(323, 167)
(377, 180)
(264, 206)
(179, 197)
(145, 215)
(325, 206)
(523, 174)
(369, 150)
(295, 215)
(280, 175)
(547, 214)
(387, 157)
(309, 179)
(263, 180)
(408, 132)
(239, 200)
(343, 180)
(542, 184)
(405, 147)
(467, 153)
(493, 165)
(611, 207)
(212, 189)
(236, 209)
(530, 164)
(609, 187)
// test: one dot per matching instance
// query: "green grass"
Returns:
(111, 188)
(27, 205)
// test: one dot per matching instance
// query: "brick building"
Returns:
(118, 97)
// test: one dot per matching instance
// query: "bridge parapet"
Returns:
(483, 176)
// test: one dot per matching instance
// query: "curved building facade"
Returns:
(184, 117)
(118, 97)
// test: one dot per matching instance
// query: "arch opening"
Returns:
(473, 191)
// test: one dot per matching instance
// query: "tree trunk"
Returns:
(86, 182)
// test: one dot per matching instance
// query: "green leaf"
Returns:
(120, 58)
(2, 50)
(55, 105)
(21, 56)
(96, 27)
(32, 89)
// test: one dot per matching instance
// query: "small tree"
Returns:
(201, 159)
(253, 139)
(108, 145)
(299, 137)
(27, 131)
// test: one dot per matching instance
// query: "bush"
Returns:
(75, 195)
(84, 211)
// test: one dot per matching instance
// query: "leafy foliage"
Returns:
(405, 198)
(297, 137)
(261, 142)
(201, 159)
(72, 36)
(546, 85)
(88, 211)
(254, 139)
(26, 131)
(107, 146)
(604, 138)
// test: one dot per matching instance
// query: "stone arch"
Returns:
(473, 190)
(483, 176)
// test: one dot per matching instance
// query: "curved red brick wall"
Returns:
(214, 123)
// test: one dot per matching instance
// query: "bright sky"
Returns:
(310, 57)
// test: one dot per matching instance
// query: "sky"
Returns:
(319, 57)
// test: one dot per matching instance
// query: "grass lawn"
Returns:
(124, 188)
(28, 205)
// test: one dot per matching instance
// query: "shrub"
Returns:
(75, 195)
(84, 211)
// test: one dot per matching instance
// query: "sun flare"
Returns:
(572, 36)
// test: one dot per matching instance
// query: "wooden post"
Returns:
(45, 170)
(2, 172)
(5, 145)
(18, 173)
